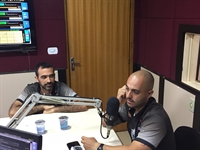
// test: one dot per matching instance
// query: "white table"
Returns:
(82, 124)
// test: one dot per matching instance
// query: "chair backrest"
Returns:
(187, 138)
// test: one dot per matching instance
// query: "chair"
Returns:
(187, 138)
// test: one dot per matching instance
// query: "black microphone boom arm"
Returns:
(62, 100)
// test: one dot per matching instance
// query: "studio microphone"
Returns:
(112, 108)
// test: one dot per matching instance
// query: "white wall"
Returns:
(156, 84)
(177, 104)
(11, 85)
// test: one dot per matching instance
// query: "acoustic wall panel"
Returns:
(165, 9)
(187, 9)
(49, 9)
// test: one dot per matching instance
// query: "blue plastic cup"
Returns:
(40, 126)
(63, 122)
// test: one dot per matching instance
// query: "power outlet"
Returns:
(52, 50)
(191, 105)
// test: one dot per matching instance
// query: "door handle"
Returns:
(74, 63)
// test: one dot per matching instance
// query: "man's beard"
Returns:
(48, 88)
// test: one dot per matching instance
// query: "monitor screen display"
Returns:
(17, 26)
(14, 139)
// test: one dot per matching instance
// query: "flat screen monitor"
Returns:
(17, 26)
(14, 139)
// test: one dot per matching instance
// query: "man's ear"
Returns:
(150, 93)
(36, 78)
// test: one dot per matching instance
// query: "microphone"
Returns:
(112, 108)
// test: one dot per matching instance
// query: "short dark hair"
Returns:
(42, 65)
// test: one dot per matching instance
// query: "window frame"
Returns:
(188, 55)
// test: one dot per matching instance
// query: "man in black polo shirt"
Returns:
(148, 124)
(45, 85)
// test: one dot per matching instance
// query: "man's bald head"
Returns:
(146, 76)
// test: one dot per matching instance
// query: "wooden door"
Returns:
(100, 39)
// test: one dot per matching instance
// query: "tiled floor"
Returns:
(124, 137)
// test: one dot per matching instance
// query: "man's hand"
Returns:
(48, 109)
(121, 94)
(89, 143)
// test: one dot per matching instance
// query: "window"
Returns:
(188, 67)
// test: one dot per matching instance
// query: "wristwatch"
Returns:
(100, 147)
